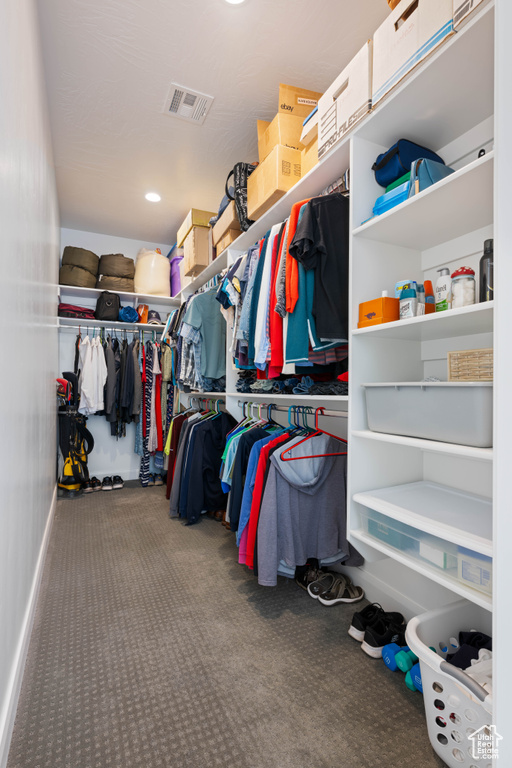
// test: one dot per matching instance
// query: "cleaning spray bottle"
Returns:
(443, 290)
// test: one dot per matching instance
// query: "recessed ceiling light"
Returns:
(234, 2)
(153, 197)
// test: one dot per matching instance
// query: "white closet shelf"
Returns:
(446, 95)
(71, 291)
(84, 323)
(432, 446)
(426, 506)
(460, 203)
(464, 321)
(430, 572)
(291, 399)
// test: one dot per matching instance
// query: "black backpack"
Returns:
(107, 306)
(240, 173)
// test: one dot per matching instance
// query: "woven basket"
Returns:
(470, 365)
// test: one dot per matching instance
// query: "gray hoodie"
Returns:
(303, 510)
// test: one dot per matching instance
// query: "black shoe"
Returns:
(106, 484)
(86, 486)
(95, 484)
(361, 620)
(117, 482)
(383, 631)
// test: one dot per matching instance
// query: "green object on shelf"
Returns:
(399, 181)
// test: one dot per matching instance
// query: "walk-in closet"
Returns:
(256, 392)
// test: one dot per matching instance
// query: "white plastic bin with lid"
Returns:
(448, 411)
(456, 706)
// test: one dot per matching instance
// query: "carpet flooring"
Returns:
(152, 647)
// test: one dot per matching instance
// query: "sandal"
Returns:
(322, 584)
(342, 591)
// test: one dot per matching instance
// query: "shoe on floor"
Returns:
(306, 576)
(151, 480)
(324, 582)
(117, 482)
(342, 591)
(383, 631)
(86, 486)
(95, 484)
(361, 620)
(106, 484)
(158, 480)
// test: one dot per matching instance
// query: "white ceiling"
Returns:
(109, 65)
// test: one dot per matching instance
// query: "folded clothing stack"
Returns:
(79, 267)
(116, 273)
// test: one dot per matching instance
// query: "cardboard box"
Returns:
(309, 157)
(228, 220)
(230, 237)
(195, 218)
(410, 32)
(297, 101)
(382, 310)
(196, 252)
(272, 179)
(346, 101)
(464, 8)
(284, 129)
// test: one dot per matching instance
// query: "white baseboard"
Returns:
(8, 715)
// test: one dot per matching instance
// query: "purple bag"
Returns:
(175, 275)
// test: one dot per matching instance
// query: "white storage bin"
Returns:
(455, 705)
(451, 412)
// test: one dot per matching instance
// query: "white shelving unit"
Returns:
(443, 226)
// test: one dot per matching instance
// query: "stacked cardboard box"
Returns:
(193, 236)
(279, 149)
(227, 228)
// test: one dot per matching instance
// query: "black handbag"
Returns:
(107, 306)
(240, 173)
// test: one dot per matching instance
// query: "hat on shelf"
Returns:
(154, 318)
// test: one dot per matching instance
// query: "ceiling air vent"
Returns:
(187, 104)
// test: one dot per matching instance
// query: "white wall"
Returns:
(28, 266)
(110, 456)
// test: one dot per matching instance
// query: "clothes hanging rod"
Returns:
(285, 409)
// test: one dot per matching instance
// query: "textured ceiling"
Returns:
(109, 65)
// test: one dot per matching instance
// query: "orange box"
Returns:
(382, 310)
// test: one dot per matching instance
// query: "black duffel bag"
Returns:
(107, 306)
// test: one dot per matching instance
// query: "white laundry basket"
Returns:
(455, 705)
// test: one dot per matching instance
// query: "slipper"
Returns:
(342, 591)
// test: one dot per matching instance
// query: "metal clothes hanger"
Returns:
(318, 431)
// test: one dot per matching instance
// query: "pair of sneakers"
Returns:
(374, 628)
(155, 480)
(93, 484)
(327, 587)
(112, 483)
